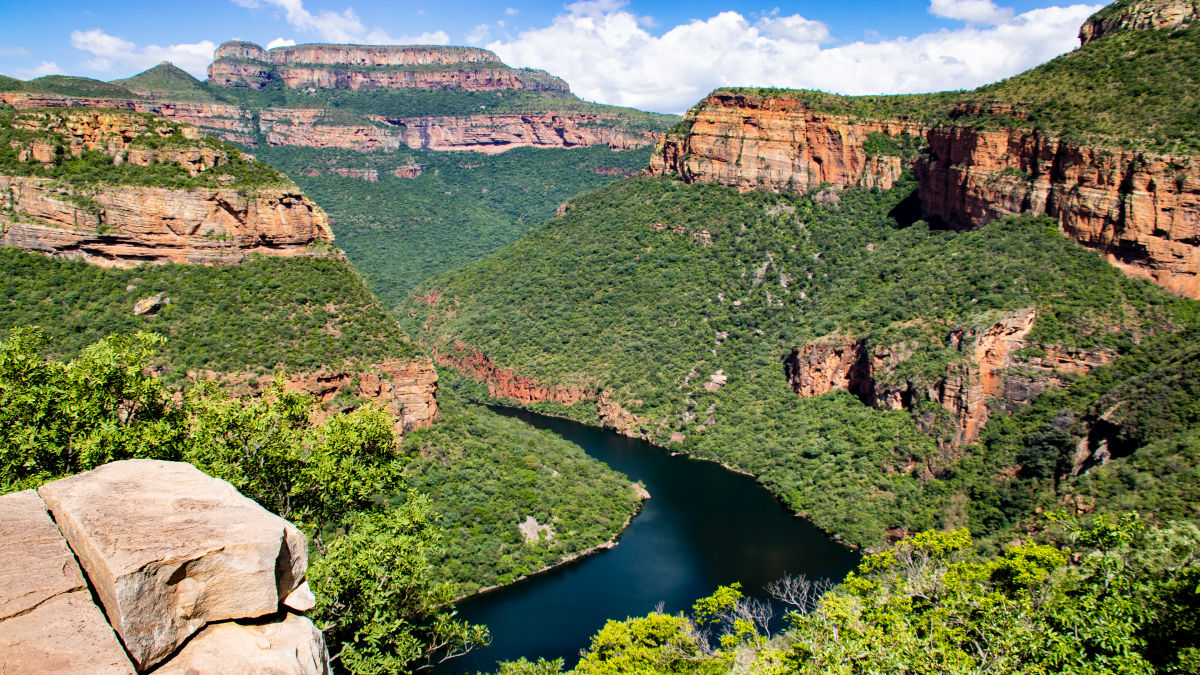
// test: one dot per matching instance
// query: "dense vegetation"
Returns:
(19, 131)
(463, 206)
(61, 418)
(1131, 89)
(487, 473)
(302, 314)
(1108, 595)
(696, 279)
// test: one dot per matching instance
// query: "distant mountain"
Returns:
(167, 82)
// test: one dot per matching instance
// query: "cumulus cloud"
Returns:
(974, 11)
(110, 53)
(607, 55)
(344, 26)
(511, 11)
(44, 68)
(280, 42)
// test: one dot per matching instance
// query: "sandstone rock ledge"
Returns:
(192, 576)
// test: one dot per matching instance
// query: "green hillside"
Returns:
(699, 278)
(1132, 89)
(462, 207)
(168, 82)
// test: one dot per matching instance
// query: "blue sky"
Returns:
(652, 55)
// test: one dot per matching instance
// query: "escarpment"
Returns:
(778, 143)
(1140, 210)
(244, 64)
(996, 366)
(144, 564)
(164, 193)
(983, 155)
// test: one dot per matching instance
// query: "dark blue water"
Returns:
(703, 527)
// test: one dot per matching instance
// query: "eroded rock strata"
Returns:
(321, 66)
(776, 143)
(994, 369)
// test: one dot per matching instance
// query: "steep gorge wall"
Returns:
(991, 371)
(306, 127)
(1140, 210)
(776, 143)
(244, 64)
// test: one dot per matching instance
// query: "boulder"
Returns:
(288, 644)
(169, 549)
(44, 599)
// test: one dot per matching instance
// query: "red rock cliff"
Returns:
(1139, 15)
(1142, 211)
(127, 224)
(244, 64)
(991, 371)
(776, 143)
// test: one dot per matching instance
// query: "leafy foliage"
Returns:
(487, 473)
(298, 313)
(1105, 596)
(699, 278)
(463, 206)
(167, 81)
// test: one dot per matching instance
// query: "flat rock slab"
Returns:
(291, 645)
(168, 549)
(48, 623)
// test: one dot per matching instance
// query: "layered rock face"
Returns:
(243, 64)
(126, 224)
(168, 552)
(991, 372)
(1140, 15)
(776, 143)
(1142, 211)
(492, 134)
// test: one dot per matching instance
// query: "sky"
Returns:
(648, 54)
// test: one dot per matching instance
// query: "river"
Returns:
(703, 526)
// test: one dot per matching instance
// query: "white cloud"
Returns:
(479, 34)
(44, 68)
(511, 11)
(280, 42)
(328, 25)
(111, 53)
(973, 11)
(606, 54)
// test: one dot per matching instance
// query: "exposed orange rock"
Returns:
(776, 143)
(988, 374)
(129, 225)
(1142, 211)
(504, 383)
(406, 388)
(492, 134)
(244, 64)
(1141, 15)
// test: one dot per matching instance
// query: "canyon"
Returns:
(1141, 210)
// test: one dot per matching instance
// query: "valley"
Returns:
(935, 352)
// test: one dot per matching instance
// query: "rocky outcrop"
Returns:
(995, 370)
(287, 644)
(1139, 15)
(776, 143)
(504, 383)
(225, 557)
(405, 388)
(167, 552)
(491, 134)
(1141, 211)
(126, 225)
(244, 64)
(48, 623)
